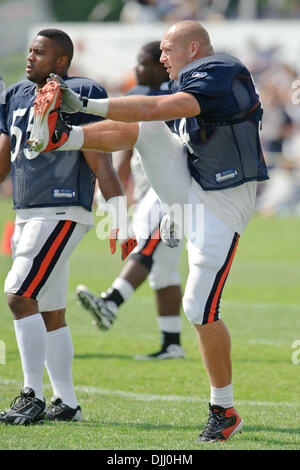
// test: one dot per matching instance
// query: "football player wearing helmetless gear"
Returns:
(215, 161)
(53, 194)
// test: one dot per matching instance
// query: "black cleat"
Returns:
(222, 424)
(102, 311)
(59, 411)
(173, 351)
(25, 409)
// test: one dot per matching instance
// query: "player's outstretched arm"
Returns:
(49, 131)
(4, 156)
(130, 108)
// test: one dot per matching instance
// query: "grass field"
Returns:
(132, 405)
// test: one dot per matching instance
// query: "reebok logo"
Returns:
(199, 74)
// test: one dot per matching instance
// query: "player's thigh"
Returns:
(210, 257)
(55, 297)
(164, 161)
(41, 248)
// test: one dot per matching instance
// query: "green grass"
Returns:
(132, 405)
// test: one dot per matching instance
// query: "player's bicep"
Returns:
(4, 156)
(181, 105)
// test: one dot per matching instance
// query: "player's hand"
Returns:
(170, 233)
(121, 227)
(127, 244)
(71, 101)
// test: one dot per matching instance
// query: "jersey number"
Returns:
(184, 135)
(17, 132)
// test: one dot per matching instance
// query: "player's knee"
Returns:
(160, 278)
(19, 305)
(191, 309)
(145, 260)
(151, 127)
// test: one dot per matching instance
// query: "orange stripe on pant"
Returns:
(47, 260)
(221, 284)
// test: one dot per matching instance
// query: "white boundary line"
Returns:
(149, 397)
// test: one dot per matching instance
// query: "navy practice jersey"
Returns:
(225, 91)
(52, 178)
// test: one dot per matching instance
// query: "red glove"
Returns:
(122, 229)
(126, 245)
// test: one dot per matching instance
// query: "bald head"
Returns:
(183, 43)
(185, 32)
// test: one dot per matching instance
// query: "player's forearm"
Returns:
(109, 183)
(135, 108)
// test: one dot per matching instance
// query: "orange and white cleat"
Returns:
(222, 424)
(49, 131)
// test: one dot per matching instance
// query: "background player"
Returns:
(52, 194)
(151, 258)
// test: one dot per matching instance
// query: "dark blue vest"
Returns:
(222, 142)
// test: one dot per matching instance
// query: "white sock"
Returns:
(124, 287)
(59, 360)
(169, 323)
(222, 396)
(75, 140)
(31, 340)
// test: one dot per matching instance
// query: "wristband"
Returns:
(96, 107)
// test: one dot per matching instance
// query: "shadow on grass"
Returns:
(130, 357)
(139, 426)
(102, 356)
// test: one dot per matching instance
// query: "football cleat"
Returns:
(103, 312)
(59, 411)
(173, 351)
(49, 131)
(222, 424)
(25, 409)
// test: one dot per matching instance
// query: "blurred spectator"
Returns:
(139, 11)
(183, 10)
(280, 134)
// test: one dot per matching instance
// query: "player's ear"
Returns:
(62, 62)
(194, 49)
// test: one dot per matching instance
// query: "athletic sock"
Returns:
(120, 291)
(222, 396)
(59, 360)
(75, 140)
(170, 328)
(124, 287)
(31, 339)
